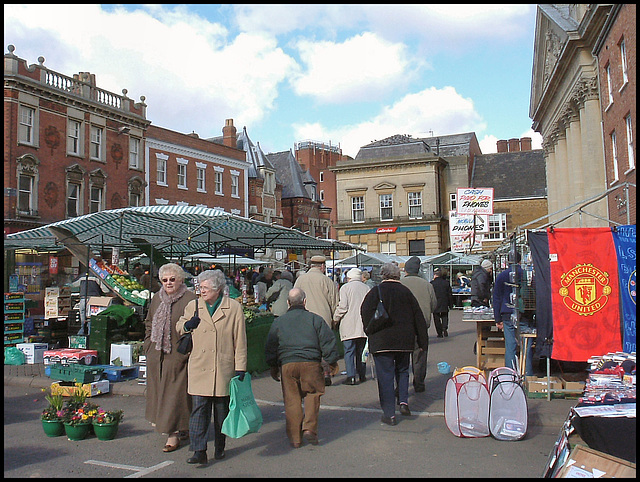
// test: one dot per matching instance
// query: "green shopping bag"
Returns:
(244, 414)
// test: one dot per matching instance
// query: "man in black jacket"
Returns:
(444, 297)
(296, 343)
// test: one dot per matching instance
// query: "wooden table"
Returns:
(490, 344)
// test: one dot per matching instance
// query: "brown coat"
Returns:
(168, 403)
(219, 347)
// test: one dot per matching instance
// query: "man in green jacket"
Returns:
(296, 344)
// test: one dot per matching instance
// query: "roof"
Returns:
(512, 175)
(290, 175)
(170, 230)
(371, 259)
(400, 145)
(453, 258)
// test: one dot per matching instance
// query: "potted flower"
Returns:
(78, 414)
(52, 416)
(105, 423)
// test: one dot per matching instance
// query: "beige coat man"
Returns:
(214, 358)
(322, 293)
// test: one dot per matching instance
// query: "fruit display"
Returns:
(124, 285)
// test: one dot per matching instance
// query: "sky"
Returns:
(344, 75)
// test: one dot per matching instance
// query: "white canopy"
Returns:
(226, 259)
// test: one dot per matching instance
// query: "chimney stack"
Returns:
(514, 145)
(525, 144)
(229, 134)
(502, 146)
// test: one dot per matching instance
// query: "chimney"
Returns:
(514, 145)
(502, 146)
(525, 144)
(229, 134)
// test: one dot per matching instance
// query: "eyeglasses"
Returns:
(166, 280)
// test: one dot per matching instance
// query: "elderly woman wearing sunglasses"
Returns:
(168, 403)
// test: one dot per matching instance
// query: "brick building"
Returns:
(616, 53)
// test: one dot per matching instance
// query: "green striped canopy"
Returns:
(171, 230)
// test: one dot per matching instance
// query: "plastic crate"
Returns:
(75, 373)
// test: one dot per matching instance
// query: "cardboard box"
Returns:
(124, 353)
(576, 386)
(67, 356)
(92, 389)
(539, 384)
(98, 304)
(33, 352)
(584, 462)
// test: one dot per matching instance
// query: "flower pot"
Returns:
(78, 431)
(105, 431)
(53, 428)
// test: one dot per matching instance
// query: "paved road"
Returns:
(353, 441)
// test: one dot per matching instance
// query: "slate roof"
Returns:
(400, 145)
(290, 175)
(254, 153)
(511, 174)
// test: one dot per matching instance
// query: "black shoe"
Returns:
(310, 437)
(446, 333)
(404, 409)
(440, 335)
(327, 381)
(363, 379)
(218, 454)
(350, 381)
(419, 389)
(199, 457)
(389, 420)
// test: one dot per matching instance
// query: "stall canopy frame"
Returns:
(173, 231)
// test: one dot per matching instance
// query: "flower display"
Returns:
(108, 416)
(54, 411)
(74, 415)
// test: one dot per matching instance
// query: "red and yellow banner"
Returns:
(584, 293)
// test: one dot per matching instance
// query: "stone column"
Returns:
(574, 142)
(562, 173)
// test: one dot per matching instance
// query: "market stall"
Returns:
(454, 263)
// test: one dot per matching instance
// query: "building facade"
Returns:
(616, 52)
(567, 110)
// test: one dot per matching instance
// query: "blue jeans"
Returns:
(511, 344)
(353, 349)
(392, 368)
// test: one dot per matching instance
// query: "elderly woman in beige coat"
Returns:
(219, 353)
(168, 405)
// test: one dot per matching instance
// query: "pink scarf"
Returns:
(161, 323)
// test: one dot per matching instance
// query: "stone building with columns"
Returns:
(566, 109)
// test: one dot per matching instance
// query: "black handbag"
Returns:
(380, 319)
(185, 343)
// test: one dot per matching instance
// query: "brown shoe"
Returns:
(310, 437)
(295, 445)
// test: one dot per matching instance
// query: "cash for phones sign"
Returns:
(475, 200)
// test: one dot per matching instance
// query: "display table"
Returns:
(490, 344)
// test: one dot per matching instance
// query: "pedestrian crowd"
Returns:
(186, 392)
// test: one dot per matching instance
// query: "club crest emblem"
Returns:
(585, 289)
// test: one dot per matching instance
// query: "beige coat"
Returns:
(424, 293)
(347, 314)
(219, 347)
(322, 293)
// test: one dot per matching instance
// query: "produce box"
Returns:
(124, 353)
(67, 389)
(584, 462)
(98, 304)
(538, 385)
(33, 352)
(78, 341)
(67, 356)
(75, 373)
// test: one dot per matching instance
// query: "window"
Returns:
(416, 247)
(73, 200)
(235, 185)
(25, 194)
(26, 127)
(453, 201)
(632, 157)
(357, 209)
(321, 176)
(135, 186)
(218, 182)
(609, 86)
(386, 207)
(162, 169)
(200, 174)
(322, 195)
(388, 247)
(96, 143)
(134, 153)
(623, 63)
(415, 205)
(74, 137)
(497, 226)
(134, 199)
(95, 203)
(614, 156)
(182, 175)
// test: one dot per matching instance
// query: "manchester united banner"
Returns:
(584, 293)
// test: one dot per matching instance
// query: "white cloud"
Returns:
(443, 111)
(358, 69)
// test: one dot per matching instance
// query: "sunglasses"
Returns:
(166, 280)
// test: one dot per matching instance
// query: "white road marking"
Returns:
(139, 471)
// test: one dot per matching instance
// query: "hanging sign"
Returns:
(462, 224)
(53, 265)
(475, 200)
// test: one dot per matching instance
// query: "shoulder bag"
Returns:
(380, 319)
(185, 343)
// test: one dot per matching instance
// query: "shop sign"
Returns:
(475, 200)
(386, 230)
(53, 265)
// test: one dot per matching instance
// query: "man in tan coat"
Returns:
(219, 353)
(322, 297)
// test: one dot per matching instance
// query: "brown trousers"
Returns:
(301, 381)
